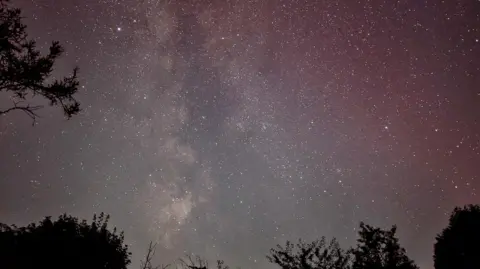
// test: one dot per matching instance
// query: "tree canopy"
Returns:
(25, 72)
(458, 245)
(63, 243)
(379, 249)
(376, 249)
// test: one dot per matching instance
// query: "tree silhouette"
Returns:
(458, 245)
(64, 243)
(379, 249)
(25, 73)
(315, 255)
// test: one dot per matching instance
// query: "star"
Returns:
(206, 122)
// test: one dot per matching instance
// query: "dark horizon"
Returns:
(225, 129)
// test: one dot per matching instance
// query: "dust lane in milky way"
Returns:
(225, 127)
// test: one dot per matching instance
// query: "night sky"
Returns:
(222, 128)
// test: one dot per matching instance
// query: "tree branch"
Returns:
(147, 264)
(192, 263)
(29, 110)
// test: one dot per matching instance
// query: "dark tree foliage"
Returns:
(379, 249)
(64, 243)
(25, 72)
(315, 255)
(458, 245)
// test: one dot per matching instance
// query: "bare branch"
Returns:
(147, 264)
(28, 109)
(193, 263)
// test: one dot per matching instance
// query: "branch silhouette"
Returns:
(147, 263)
(26, 73)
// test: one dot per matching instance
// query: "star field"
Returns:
(223, 128)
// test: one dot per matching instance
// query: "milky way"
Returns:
(222, 128)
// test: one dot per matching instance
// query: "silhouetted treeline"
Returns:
(376, 249)
(70, 243)
(63, 243)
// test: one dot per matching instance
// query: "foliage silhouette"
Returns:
(315, 255)
(25, 73)
(64, 243)
(458, 245)
(379, 249)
